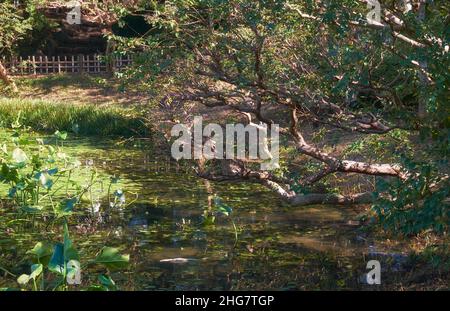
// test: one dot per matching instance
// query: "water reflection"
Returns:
(262, 244)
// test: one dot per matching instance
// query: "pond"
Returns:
(178, 240)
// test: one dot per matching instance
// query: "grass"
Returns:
(89, 120)
(98, 89)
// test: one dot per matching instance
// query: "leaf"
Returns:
(221, 207)
(32, 209)
(62, 254)
(60, 135)
(42, 251)
(36, 270)
(107, 282)
(56, 263)
(19, 156)
(110, 257)
(70, 253)
(45, 181)
(208, 220)
(23, 279)
(12, 192)
(52, 171)
(66, 207)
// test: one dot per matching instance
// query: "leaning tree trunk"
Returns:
(318, 198)
(6, 78)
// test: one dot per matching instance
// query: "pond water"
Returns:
(261, 244)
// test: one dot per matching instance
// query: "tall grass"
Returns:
(86, 120)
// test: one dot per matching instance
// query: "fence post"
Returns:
(41, 67)
(13, 64)
(80, 63)
(21, 65)
(33, 63)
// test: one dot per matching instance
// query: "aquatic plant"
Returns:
(40, 183)
(62, 260)
(220, 208)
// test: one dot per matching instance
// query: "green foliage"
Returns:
(219, 208)
(13, 27)
(41, 252)
(111, 258)
(416, 204)
(36, 178)
(64, 263)
(292, 52)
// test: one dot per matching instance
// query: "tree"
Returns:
(13, 28)
(319, 64)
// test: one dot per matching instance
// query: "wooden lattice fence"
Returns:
(41, 65)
